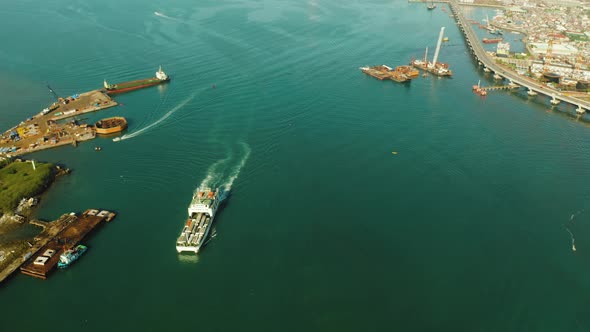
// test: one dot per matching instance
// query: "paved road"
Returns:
(483, 57)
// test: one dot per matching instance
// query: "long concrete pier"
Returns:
(480, 54)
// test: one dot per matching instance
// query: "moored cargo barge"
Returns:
(384, 72)
(160, 78)
(409, 71)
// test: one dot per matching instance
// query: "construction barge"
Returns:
(384, 72)
(41, 263)
(434, 67)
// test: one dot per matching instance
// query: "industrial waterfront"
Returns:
(467, 226)
(43, 130)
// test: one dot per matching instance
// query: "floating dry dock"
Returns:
(41, 263)
(111, 125)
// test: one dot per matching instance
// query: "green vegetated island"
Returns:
(20, 183)
(20, 180)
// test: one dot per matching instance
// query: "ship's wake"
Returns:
(225, 171)
(157, 122)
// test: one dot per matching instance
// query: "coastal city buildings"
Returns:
(557, 38)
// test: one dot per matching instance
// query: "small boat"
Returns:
(71, 255)
(554, 101)
(97, 148)
(531, 92)
(446, 39)
(478, 90)
(431, 6)
(476, 87)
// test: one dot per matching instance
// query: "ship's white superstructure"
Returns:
(201, 212)
(161, 75)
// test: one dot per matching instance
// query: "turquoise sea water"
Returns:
(326, 230)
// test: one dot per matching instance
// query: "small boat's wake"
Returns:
(573, 239)
(160, 14)
(164, 117)
(571, 221)
(225, 171)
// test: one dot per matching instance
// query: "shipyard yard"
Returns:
(45, 130)
(48, 128)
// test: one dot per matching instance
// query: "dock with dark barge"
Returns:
(44, 260)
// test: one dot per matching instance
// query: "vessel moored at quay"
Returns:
(201, 212)
(160, 78)
(71, 255)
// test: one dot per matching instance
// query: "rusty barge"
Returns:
(40, 264)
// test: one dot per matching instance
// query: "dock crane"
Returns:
(53, 92)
